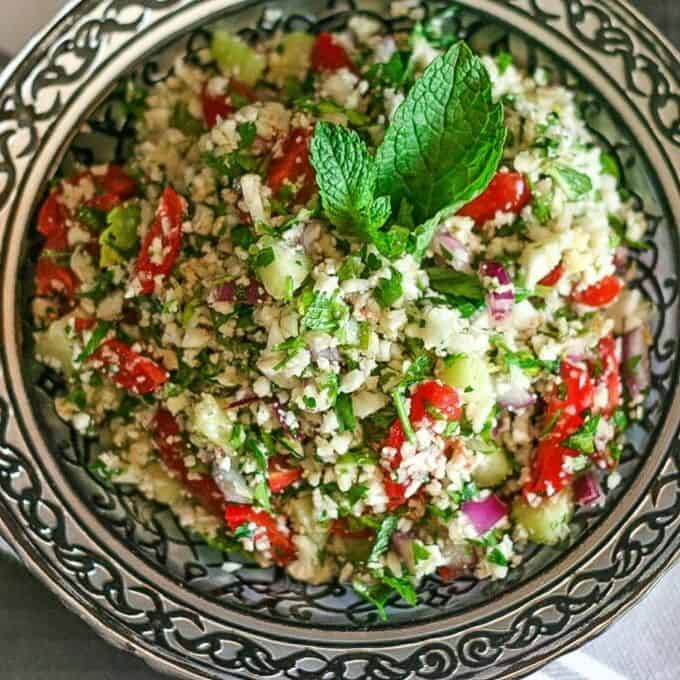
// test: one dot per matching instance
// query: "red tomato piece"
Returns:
(611, 373)
(117, 182)
(395, 493)
(553, 277)
(507, 192)
(162, 243)
(395, 439)
(433, 395)
(172, 450)
(216, 106)
(282, 546)
(280, 475)
(293, 165)
(52, 222)
(600, 294)
(52, 278)
(83, 324)
(547, 470)
(129, 369)
(329, 55)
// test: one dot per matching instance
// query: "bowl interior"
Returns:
(151, 531)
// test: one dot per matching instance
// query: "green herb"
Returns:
(388, 291)
(244, 531)
(377, 595)
(420, 553)
(290, 348)
(630, 364)
(91, 217)
(618, 226)
(346, 175)
(400, 407)
(583, 440)
(620, 419)
(78, 397)
(242, 236)
(391, 73)
(419, 369)
(574, 183)
(401, 585)
(351, 269)
(261, 495)
(382, 539)
(182, 120)
(609, 165)
(247, 133)
(264, 258)
(119, 240)
(345, 413)
(503, 61)
(98, 334)
(497, 557)
(541, 208)
(451, 159)
(458, 284)
(324, 313)
(356, 493)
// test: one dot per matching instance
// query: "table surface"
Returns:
(40, 640)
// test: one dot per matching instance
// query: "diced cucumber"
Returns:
(55, 345)
(236, 58)
(292, 57)
(547, 523)
(491, 468)
(211, 421)
(119, 239)
(466, 371)
(282, 268)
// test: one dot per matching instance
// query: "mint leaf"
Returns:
(382, 540)
(388, 291)
(98, 335)
(344, 411)
(346, 175)
(446, 138)
(452, 282)
(574, 183)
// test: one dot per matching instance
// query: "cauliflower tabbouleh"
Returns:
(355, 306)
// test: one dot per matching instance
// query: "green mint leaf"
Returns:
(420, 552)
(344, 411)
(382, 540)
(420, 369)
(574, 183)
(583, 440)
(324, 313)
(388, 291)
(377, 595)
(402, 586)
(452, 282)
(261, 495)
(446, 138)
(346, 175)
(247, 133)
(98, 335)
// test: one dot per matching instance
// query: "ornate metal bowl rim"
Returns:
(344, 639)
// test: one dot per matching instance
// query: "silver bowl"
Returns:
(146, 585)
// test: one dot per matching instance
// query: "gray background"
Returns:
(40, 640)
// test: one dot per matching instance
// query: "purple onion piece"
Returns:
(486, 513)
(246, 401)
(636, 372)
(230, 292)
(621, 259)
(225, 292)
(516, 400)
(446, 245)
(501, 299)
(587, 489)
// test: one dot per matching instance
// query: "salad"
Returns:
(355, 305)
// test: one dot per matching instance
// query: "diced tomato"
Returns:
(600, 294)
(610, 373)
(52, 222)
(283, 549)
(216, 106)
(52, 278)
(281, 476)
(329, 55)
(433, 395)
(553, 277)
(129, 369)
(113, 187)
(293, 166)
(567, 411)
(203, 488)
(448, 574)
(507, 192)
(162, 242)
(340, 527)
(83, 324)
(395, 493)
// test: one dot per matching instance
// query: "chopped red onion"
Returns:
(460, 562)
(621, 259)
(587, 489)
(486, 513)
(500, 300)
(230, 292)
(243, 402)
(636, 372)
(446, 245)
(402, 542)
(516, 399)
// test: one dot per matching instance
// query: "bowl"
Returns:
(145, 584)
